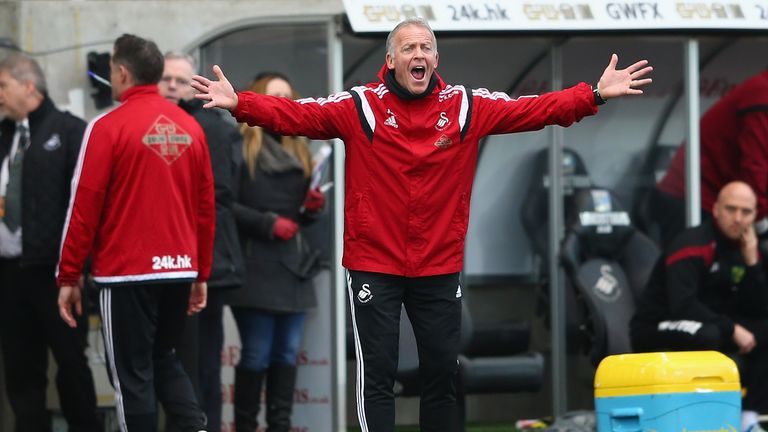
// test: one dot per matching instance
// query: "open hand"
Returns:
(615, 83)
(219, 93)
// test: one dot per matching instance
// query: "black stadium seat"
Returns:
(608, 262)
(534, 215)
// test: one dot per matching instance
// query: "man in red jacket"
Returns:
(734, 147)
(411, 149)
(142, 208)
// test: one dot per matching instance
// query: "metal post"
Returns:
(692, 168)
(556, 289)
(339, 291)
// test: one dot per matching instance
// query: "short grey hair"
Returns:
(178, 55)
(414, 21)
(23, 69)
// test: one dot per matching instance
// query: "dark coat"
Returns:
(224, 144)
(49, 162)
(278, 273)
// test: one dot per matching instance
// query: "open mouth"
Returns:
(418, 72)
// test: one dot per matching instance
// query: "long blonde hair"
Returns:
(253, 137)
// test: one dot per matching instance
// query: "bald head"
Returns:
(735, 209)
(737, 190)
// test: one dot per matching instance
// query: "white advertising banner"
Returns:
(591, 15)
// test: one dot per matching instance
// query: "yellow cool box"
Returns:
(696, 391)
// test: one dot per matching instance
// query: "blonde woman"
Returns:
(273, 202)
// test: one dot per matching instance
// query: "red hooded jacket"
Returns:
(410, 162)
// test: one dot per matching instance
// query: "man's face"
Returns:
(14, 96)
(176, 80)
(734, 212)
(278, 87)
(415, 58)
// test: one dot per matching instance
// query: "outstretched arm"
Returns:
(614, 83)
(218, 93)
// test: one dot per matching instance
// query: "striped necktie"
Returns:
(12, 217)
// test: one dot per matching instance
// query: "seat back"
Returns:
(534, 216)
(534, 213)
(655, 167)
(607, 262)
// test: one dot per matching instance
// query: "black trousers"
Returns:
(696, 336)
(433, 305)
(29, 326)
(141, 325)
(199, 351)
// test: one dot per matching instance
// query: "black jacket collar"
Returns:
(401, 92)
(191, 105)
(8, 126)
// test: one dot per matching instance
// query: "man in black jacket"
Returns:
(708, 292)
(39, 146)
(200, 351)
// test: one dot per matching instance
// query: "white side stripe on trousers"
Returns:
(360, 387)
(105, 298)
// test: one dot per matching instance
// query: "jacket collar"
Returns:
(139, 90)
(192, 105)
(387, 76)
(46, 106)
(36, 116)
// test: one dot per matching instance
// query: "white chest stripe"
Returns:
(367, 111)
(484, 93)
(464, 108)
(334, 98)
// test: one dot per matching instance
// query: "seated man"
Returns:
(708, 292)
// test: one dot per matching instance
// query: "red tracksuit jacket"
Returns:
(734, 146)
(410, 163)
(142, 201)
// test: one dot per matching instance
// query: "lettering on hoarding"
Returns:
(230, 355)
(703, 10)
(303, 396)
(304, 359)
(488, 12)
(715, 87)
(763, 9)
(555, 11)
(377, 13)
(639, 10)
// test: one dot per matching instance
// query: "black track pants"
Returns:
(433, 304)
(142, 325)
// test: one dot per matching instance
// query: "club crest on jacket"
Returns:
(443, 142)
(167, 139)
